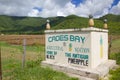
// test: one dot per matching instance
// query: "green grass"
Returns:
(115, 74)
(115, 46)
(116, 56)
(34, 48)
(12, 64)
(115, 43)
(39, 73)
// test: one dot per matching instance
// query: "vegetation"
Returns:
(115, 74)
(115, 48)
(12, 54)
(36, 25)
(12, 64)
(12, 57)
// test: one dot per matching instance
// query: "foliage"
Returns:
(116, 56)
(36, 25)
(39, 73)
(115, 74)
(12, 68)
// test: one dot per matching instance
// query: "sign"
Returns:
(87, 47)
(68, 48)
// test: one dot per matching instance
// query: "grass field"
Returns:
(12, 59)
(40, 40)
(115, 54)
(115, 46)
(18, 39)
(12, 64)
(115, 73)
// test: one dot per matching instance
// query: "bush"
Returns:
(115, 56)
(115, 74)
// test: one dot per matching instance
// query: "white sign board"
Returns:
(72, 47)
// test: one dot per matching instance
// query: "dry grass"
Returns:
(18, 39)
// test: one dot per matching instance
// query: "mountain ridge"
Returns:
(36, 25)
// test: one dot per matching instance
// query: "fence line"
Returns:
(40, 40)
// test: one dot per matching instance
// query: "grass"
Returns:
(39, 73)
(115, 46)
(116, 56)
(115, 74)
(12, 64)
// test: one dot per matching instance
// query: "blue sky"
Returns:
(77, 2)
(52, 8)
(115, 2)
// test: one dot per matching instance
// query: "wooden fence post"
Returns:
(24, 53)
(109, 47)
(0, 65)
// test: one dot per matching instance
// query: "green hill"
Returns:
(36, 25)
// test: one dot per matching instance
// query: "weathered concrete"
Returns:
(83, 73)
(82, 53)
(85, 47)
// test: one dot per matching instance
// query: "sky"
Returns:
(53, 8)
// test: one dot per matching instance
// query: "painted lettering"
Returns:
(58, 48)
(82, 50)
(58, 38)
(50, 56)
(68, 54)
(66, 38)
(77, 38)
(83, 39)
(78, 61)
(81, 56)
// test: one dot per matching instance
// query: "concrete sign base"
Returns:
(83, 73)
(80, 52)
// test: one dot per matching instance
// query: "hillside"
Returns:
(36, 25)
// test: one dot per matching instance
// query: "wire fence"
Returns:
(20, 51)
(19, 43)
(40, 40)
(34, 44)
(35, 53)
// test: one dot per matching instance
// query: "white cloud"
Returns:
(52, 8)
(95, 7)
(33, 13)
(17, 7)
(116, 9)
(68, 9)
